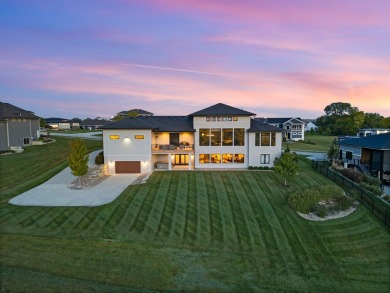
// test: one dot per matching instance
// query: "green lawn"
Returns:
(36, 164)
(198, 231)
(322, 143)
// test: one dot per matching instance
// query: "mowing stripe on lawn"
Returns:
(204, 218)
(228, 228)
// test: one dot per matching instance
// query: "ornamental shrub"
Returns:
(250, 167)
(306, 200)
(374, 189)
(99, 159)
(353, 175)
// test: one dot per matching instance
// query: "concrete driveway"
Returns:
(55, 191)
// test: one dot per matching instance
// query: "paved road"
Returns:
(312, 155)
(87, 135)
(55, 191)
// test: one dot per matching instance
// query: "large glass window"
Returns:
(215, 136)
(239, 136)
(204, 158)
(216, 158)
(264, 159)
(265, 139)
(227, 158)
(227, 136)
(273, 138)
(257, 139)
(239, 158)
(204, 136)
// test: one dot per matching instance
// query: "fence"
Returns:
(374, 204)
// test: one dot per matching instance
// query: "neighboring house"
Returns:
(371, 152)
(18, 127)
(217, 137)
(294, 127)
(139, 112)
(93, 124)
(371, 131)
(59, 123)
(310, 125)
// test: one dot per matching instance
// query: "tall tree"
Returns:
(78, 158)
(117, 118)
(374, 120)
(287, 166)
(341, 119)
(334, 150)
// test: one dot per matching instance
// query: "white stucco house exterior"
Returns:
(217, 137)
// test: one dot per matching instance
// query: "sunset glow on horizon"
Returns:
(274, 58)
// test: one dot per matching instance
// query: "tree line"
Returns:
(344, 119)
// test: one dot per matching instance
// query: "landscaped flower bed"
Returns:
(327, 201)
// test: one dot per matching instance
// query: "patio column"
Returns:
(169, 162)
(189, 161)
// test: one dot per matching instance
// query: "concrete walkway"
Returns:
(55, 191)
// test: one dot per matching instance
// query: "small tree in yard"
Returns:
(286, 165)
(334, 150)
(78, 158)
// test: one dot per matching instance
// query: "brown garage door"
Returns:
(122, 167)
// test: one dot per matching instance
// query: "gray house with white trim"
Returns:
(18, 127)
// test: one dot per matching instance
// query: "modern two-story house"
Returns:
(217, 137)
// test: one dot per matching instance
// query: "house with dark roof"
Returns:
(18, 127)
(93, 124)
(134, 112)
(371, 152)
(217, 137)
(371, 131)
(294, 127)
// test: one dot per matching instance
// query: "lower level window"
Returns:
(239, 158)
(227, 158)
(204, 158)
(216, 158)
(221, 158)
(348, 155)
(26, 140)
(264, 159)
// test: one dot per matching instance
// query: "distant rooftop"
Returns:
(378, 142)
(10, 111)
(140, 112)
(222, 109)
(154, 123)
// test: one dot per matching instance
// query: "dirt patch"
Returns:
(94, 176)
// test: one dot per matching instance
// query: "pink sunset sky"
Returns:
(278, 58)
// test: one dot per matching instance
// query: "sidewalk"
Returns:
(55, 191)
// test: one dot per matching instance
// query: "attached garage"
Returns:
(126, 167)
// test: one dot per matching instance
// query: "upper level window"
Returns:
(221, 118)
(297, 126)
(239, 136)
(227, 136)
(215, 136)
(273, 138)
(265, 139)
(204, 136)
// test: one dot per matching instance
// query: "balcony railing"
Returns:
(171, 147)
